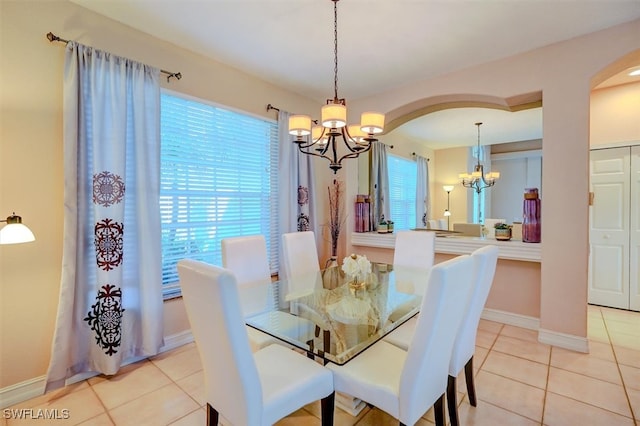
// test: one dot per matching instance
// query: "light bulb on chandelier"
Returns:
(324, 138)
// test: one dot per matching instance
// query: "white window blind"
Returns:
(218, 180)
(403, 176)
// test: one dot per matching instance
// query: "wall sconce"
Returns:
(447, 212)
(15, 231)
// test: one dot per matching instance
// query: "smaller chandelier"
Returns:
(477, 180)
(324, 138)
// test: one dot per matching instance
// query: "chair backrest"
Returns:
(232, 384)
(415, 248)
(425, 372)
(300, 255)
(247, 258)
(485, 260)
(468, 229)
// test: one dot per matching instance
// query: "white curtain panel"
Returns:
(422, 192)
(110, 306)
(379, 184)
(296, 184)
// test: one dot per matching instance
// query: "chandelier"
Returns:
(322, 140)
(477, 179)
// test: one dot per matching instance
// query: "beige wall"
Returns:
(615, 115)
(31, 173)
(449, 164)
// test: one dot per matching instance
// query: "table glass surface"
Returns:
(331, 316)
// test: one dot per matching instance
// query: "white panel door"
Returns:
(609, 228)
(634, 237)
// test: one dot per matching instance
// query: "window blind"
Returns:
(403, 175)
(218, 180)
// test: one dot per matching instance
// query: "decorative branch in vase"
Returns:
(336, 217)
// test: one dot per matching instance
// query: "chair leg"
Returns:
(212, 416)
(327, 405)
(471, 387)
(452, 401)
(438, 411)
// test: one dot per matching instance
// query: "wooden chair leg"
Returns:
(452, 401)
(471, 387)
(212, 416)
(438, 411)
(327, 405)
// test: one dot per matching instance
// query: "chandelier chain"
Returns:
(335, 49)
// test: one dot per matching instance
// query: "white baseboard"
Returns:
(32, 388)
(510, 318)
(562, 340)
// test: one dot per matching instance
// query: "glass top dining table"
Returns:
(329, 315)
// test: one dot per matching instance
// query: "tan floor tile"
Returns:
(563, 411)
(585, 364)
(194, 386)
(132, 382)
(601, 350)
(479, 356)
(376, 417)
(630, 376)
(180, 364)
(81, 405)
(520, 333)
(588, 390)
(485, 339)
(627, 356)
(490, 326)
(625, 340)
(510, 395)
(195, 418)
(598, 335)
(161, 406)
(634, 399)
(625, 327)
(520, 369)
(101, 420)
(300, 417)
(610, 314)
(537, 352)
(487, 414)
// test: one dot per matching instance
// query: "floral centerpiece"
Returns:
(357, 268)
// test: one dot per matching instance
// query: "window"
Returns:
(402, 191)
(218, 180)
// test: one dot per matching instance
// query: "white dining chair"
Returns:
(485, 260)
(464, 347)
(245, 388)
(246, 257)
(405, 384)
(300, 254)
(415, 249)
(301, 266)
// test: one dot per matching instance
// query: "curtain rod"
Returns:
(52, 37)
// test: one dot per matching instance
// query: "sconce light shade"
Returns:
(15, 232)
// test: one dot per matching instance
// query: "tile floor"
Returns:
(518, 382)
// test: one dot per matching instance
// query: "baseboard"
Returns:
(32, 388)
(562, 340)
(510, 318)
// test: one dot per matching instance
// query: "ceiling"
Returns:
(382, 45)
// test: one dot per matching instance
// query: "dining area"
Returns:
(354, 336)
